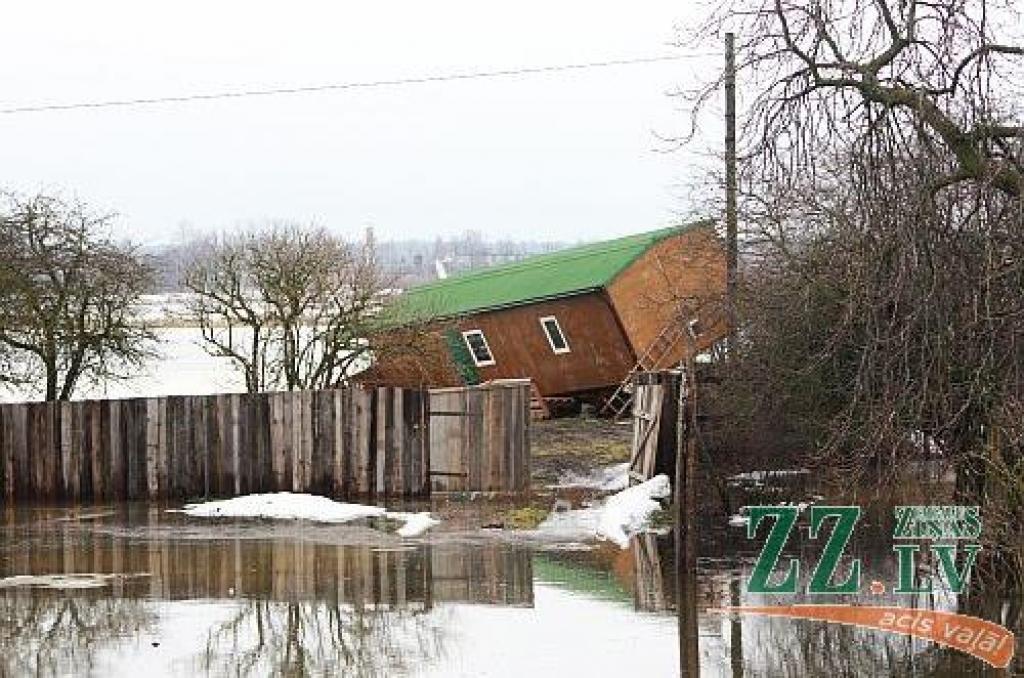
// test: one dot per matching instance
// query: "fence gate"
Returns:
(479, 437)
(655, 402)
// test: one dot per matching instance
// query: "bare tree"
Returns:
(882, 185)
(876, 75)
(294, 308)
(224, 303)
(67, 296)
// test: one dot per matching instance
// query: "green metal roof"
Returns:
(547, 276)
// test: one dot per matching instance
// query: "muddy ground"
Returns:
(576, 445)
(559, 448)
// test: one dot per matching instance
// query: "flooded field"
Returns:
(138, 590)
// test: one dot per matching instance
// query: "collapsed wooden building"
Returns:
(579, 322)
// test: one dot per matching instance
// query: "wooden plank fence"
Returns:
(343, 443)
(480, 437)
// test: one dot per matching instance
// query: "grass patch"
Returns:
(524, 518)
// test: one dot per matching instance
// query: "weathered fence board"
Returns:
(479, 437)
(354, 441)
(655, 409)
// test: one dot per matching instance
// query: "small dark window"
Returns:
(556, 338)
(478, 348)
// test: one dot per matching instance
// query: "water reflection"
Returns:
(47, 632)
(749, 646)
(184, 597)
(321, 638)
(285, 605)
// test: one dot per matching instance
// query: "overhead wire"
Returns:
(328, 87)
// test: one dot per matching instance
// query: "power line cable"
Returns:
(397, 82)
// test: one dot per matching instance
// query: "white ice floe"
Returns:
(628, 511)
(290, 506)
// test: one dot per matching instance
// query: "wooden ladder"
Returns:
(538, 407)
(666, 340)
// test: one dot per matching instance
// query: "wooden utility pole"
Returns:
(730, 184)
(685, 532)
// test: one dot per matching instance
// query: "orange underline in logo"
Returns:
(989, 642)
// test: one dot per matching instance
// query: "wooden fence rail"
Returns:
(347, 442)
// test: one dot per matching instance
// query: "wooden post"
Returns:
(732, 249)
(686, 522)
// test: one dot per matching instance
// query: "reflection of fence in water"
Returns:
(284, 569)
(495, 575)
(649, 592)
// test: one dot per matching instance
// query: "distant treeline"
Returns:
(411, 261)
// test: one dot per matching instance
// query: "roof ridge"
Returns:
(575, 270)
(540, 261)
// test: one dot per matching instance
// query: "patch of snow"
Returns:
(612, 478)
(761, 476)
(570, 526)
(291, 506)
(615, 519)
(284, 506)
(628, 511)
(415, 523)
(741, 518)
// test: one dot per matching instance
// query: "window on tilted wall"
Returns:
(554, 333)
(478, 348)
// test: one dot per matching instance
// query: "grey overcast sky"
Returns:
(568, 156)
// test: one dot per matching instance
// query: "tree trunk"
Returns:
(51, 379)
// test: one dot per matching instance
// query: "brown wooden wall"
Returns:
(599, 355)
(480, 438)
(690, 267)
(348, 442)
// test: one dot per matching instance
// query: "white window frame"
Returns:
(472, 353)
(551, 343)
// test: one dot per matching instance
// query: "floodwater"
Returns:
(137, 590)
